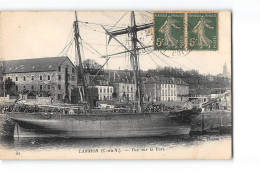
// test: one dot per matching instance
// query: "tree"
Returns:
(92, 67)
(10, 87)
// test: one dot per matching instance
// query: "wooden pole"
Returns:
(76, 33)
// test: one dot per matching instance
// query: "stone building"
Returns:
(105, 89)
(182, 90)
(125, 89)
(123, 83)
(152, 89)
(52, 76)
(159, 88)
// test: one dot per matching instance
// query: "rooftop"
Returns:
(98, 80)
(33, 65)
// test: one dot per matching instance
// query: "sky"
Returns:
(45, 34)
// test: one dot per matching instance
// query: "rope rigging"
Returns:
(118, 21)
(153, 55)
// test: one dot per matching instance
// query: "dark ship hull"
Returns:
(102, 125)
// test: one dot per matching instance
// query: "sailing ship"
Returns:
(93, 125)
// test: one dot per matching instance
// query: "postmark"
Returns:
(202, 31)
(169, 31)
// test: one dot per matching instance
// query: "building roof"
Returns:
(99, 80)
(125, 80)
(120, 76)
(179, 81)
(33, 65)
(198, 91)
(160, 79)
(165, 80)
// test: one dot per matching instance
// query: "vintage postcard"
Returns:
(115, 85)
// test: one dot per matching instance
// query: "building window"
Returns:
(32, 87)
(40, 87)
(59, 68)
(32, 78)
(73, 70)
(24, 78)
(40, 77)
(111, 90)
(16, 78)
(100, 90)
(59, 87)
(49, 77)
(72, 77)
(131, 89)
(49, 87)
(59, 77)
(24, 87)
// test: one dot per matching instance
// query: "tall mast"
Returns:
(134, 51)
(76, 37)
(135, 61)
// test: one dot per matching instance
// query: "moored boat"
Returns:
(133, 123)
(102, 125)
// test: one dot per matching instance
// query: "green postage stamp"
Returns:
(203, 31)
(186, 30)
(169, 31)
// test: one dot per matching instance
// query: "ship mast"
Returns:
(134, 52)
(76, 37)
(135, 62)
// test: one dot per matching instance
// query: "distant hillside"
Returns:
(193, 78)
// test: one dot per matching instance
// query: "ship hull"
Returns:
(98, 126)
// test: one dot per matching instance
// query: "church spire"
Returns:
(225, 72)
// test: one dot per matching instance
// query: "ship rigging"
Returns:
(55, 123)
(131, 31)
